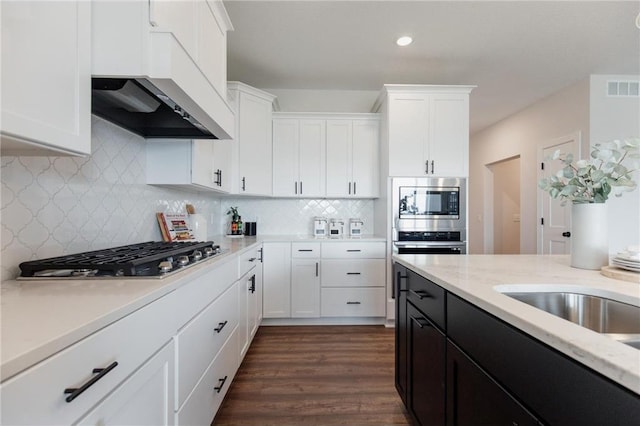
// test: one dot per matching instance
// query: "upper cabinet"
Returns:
(192, 165)
(325, 155)
(178, 47)
(426, 129)
(352, 157)
(253, 155)
(298, 157)
(46, 78)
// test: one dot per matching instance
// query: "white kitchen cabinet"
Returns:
(353, 279)
(254, 139)
(305, 280)
(255, 298)
(46, 78)
(188, 164)
(298, 157)
(38, 395)
(247, 300)
(427, 129)
(276, 269)
(145, 398)
(352, 157)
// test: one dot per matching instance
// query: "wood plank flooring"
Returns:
(316, 375)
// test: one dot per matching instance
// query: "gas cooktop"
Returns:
(153, 259)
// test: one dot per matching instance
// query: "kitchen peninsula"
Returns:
(532, 365)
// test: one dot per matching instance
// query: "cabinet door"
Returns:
(202, 170)
(246, 289)
(276, 269)
(402, 329)
(339, 173)
(255, 304)
(46, 77)
(474, 398)
(365, 163)
(223, 164)
(146, 398)
(311, 158)
(449, 135)
(254, 135)
(427, 364)
(408, 134)
(286, 134)
(305, 288)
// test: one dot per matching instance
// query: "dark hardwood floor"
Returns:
(316, 375)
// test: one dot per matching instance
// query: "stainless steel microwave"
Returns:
(429, 204)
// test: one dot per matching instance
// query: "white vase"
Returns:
(589, 236)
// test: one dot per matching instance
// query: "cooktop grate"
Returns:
(140, 259)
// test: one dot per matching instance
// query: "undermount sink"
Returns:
(618, 320)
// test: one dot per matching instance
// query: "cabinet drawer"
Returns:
(206, 398)
(353, 250)
(247, 261)
(353, 273)
(426, 296)
(305, 250)
(199, 342)
(352, 302)
(37, 395)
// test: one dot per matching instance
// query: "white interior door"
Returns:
(556, 219)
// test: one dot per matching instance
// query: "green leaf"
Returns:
(567, 172)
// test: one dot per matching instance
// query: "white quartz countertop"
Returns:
(475, 278)
(40, 318)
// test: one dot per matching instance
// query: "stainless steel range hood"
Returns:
(139, 106)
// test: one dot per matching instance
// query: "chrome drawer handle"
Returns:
(220, 384)
(420, 294)
(100, 373)
(220, 326)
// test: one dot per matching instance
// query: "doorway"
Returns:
(506, 205)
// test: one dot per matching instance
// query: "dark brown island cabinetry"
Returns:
(456, 364)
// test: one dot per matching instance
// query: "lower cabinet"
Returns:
(426, 358)
(145, 398)
(276, 275)
(305, 288)
(475, 369)
(473, 397)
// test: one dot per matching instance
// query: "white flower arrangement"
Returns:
(591, 181)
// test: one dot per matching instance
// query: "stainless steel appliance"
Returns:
(151, 259)
(429, 215)
(320, 227)
(355, 227)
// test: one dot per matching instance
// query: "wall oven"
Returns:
(429, 215)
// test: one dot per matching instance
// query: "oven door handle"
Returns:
(419, 244)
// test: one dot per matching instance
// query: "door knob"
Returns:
(566, 234)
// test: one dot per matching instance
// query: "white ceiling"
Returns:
(515, 52)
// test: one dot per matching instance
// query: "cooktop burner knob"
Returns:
(182, 261)
(196, 255)
(165, 266)
(208, 251)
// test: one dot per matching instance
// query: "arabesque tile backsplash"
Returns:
(57, 205)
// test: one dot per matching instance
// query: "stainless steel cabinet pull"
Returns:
(100, 373)
(220, 384)
(220, 326)
(353, 273)
(420, 294)
(420, 321)
(353, 303)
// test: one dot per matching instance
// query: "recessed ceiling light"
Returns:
(404, 41)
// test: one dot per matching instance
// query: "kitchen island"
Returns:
(518, 350)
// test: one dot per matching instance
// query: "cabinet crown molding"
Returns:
(418, 88)
(327, 115)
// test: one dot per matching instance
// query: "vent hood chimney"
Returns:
(143, 78)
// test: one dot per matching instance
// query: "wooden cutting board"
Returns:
(620, 274)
